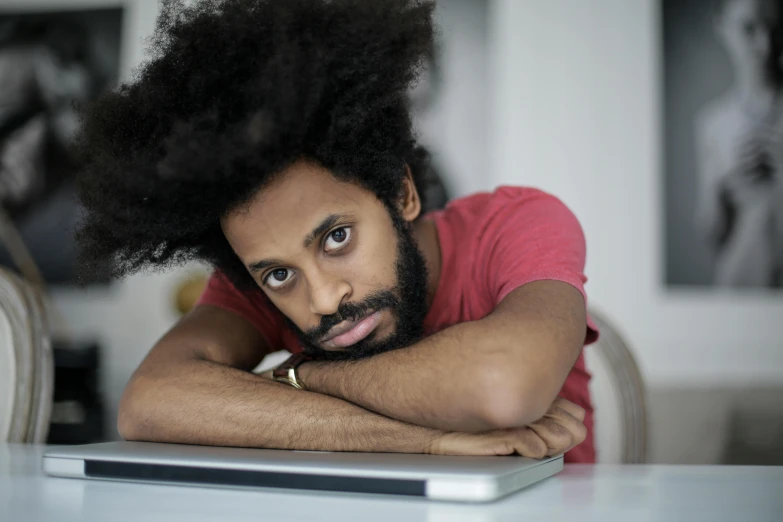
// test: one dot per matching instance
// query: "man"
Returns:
(740, 149)
(273, 140)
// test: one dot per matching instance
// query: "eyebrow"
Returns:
(327, 223)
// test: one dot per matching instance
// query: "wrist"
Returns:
(434, 443)
(308, 373)
(288, 372)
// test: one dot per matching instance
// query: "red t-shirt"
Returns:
(491, 243)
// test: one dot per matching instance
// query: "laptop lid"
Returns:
(431, 476)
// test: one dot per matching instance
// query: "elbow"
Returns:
(501, 411)
(505, 402)
(129, 416)
(126, 426)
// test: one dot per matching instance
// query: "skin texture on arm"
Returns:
(195, 387)
(502, 371)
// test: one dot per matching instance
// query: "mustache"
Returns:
(352, 312)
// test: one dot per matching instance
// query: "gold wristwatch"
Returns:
(286, 372)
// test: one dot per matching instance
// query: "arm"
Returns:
(195, 387)
(712, 206)
(502, 371)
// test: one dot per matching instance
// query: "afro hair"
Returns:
(232, 93)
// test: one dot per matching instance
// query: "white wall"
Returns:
(575, 111)
(455, 129)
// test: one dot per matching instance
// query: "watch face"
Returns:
(286, 372)
(288, 376)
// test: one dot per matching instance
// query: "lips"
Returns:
(352, 333)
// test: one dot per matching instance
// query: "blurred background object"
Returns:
(78, 412)
(619, 397)
(26, 367)
(49, 63)
(51, 60)
(189, 290)
(594, 102)
(723, 136)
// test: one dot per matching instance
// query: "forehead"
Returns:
(279, 216)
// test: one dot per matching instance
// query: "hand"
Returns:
(559, 430)
(755, 160)
(756, 165)
(562, 427)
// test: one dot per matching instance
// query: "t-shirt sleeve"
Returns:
(534, 238)
(256, 309)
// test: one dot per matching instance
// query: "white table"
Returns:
(579, 494)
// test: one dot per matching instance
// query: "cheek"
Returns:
(372, 266)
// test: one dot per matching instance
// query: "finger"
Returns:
(569, 407)
(575, 427)
(555, 435)
(571, 423)
(527, 443)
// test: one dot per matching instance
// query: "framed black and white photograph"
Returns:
(723, 143)
(50, 62)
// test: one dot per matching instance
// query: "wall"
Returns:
(575, 110)
(455, 129)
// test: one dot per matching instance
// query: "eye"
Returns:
(278, 277)
(337, 239)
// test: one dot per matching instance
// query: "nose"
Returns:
(327, 290)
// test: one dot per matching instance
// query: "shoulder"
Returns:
(717, 110)
(716, 118)
(512, 206)
(486, 206)
(529, 216)
(509, 214)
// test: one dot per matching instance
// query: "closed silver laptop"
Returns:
(464, 479)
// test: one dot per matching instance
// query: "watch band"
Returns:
(286, 372)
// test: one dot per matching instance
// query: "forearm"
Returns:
(502, 371)
(440, 382)
(200, 402)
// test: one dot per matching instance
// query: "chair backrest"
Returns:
(26, 360)
(27, 369)
(618, 394)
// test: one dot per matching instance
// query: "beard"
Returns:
(407, 302)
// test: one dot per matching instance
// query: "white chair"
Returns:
(26, 365)
(26, 361)
(618, 395)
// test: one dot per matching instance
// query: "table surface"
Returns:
(580, 493)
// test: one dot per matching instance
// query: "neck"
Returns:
(426, 234)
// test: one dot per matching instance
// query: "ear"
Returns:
(410, 203)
